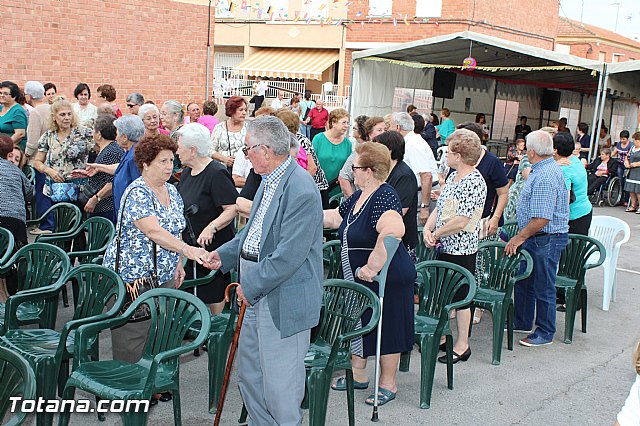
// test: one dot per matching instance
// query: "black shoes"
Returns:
(462, 357)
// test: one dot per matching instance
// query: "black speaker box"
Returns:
(550, 100)
(444, 84)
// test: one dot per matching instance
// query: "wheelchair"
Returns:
(610, 192)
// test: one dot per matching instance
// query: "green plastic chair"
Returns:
(17, 379)
(572, 269)
(99, 233)
(423, 252)
(510, 228)
(48, 351)
(336, 200)
(331, 259)
(36, 265)
(438, 283)
(221, 332)
(499, 275)
(68, 218)
(344, 303)
(29, 173)
(172, 314)
(7, 243)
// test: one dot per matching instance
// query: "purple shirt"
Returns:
(208, 121)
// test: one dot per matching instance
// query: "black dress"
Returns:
(358, 235)
(209, 190)
(403, 180)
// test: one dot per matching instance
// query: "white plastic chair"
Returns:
(606, 229)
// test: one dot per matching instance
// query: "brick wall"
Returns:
(156, 47)
(582, 50)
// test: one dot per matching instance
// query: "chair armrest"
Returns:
(207, 279)
(86, 253)
(87, 331)
(35, 294)
(58, 236)
(603, 256)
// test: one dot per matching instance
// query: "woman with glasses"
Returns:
(363, 220)
(84, 110)
(333, 147)
(13, 118)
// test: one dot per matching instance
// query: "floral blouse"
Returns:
(464, 198)
(68, 155)
(136, 260)
(515, 189)
(226, 142)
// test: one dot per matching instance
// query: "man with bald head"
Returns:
(318, 118)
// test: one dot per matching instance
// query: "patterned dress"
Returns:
(136, 260)
(515, 189)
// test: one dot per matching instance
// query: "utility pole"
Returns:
(617, 15)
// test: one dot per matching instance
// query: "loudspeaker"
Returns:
(444, 84)
(550, 100)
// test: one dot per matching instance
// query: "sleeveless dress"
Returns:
(358, 235)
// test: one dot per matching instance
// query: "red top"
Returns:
(319, 118)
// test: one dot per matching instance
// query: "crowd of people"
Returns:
(175, 182)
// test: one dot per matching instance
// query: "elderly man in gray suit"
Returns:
(279, 256)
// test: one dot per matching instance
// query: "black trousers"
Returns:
(595, 182)
(581, 225)
(258, 103)
(314, 131)
(19, 231)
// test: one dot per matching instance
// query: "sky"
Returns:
(602, 13)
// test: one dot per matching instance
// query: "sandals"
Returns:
(341, 384)
(631, 210)
(384, 396)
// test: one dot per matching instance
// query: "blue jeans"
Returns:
(537, 294)
(305, 129)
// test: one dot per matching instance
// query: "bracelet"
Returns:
(184, 245)
(98, 197)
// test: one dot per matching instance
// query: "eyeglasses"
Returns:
(354, 167)
(131, 105)
(246, 149)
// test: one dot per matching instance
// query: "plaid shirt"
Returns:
(545, 196)
(271, 181)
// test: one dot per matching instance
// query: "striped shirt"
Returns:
(271, 181)
(15, 190)
(545, 196)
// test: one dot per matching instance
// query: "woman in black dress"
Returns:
(364, 219)
(208, 185)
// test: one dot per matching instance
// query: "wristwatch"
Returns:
(98, 197)
(424, 206)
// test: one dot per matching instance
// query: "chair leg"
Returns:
(318, 389)
(498, 317)
(217, 359)
(68, 395)
(65, 296)
(350, 398)
(101, 415)
(405, 359)
(510, 326)
(243, 415)
(607, 290)
(427, 369)
(63, 375)
(570, 315)
(473, 311)
(583, 297)
(46, 387)
(449, 345)
(177, 409)
(614, 280)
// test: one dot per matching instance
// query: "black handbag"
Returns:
(87, 192)
(141, 285)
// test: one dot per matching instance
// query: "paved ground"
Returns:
(582, 383)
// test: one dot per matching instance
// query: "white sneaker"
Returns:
(38, 231)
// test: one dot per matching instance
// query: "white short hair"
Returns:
(404, 120)
(540, 142)
(35, 89)
(145, 108)
(198, 136)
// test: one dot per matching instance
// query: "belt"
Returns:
(248, 256)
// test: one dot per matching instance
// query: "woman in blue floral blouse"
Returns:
(61, 149)
(150, 216)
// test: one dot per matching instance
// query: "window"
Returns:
(380, 7)
(505, 119)
(428, 8)
(617, 57)
(572, 118)
(602, 56)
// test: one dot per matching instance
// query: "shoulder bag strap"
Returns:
(118, 236)
(226, 126)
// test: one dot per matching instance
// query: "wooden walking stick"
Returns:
(232, 353)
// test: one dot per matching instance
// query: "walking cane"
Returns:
(390, 245)
(232, 353)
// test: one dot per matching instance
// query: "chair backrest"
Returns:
(422, 251)
(172, 314)
(336, 200)
(97, 285)
(344, 303)
(510, 228)
(501, 272)
(39, 264)
(438, 282)
(331, 258)
(609, 231)
(6, 245)
(18, 380)
(29, 173)
(100, 232)
(68, 217)
(574, 258)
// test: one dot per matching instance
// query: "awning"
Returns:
(288, 63)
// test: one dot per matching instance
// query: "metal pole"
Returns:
(595, 111)
(208, 51)
(603, 100)
(493, 109)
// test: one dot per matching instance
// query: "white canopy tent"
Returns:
(505, 70)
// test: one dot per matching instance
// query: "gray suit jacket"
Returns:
(290, 270)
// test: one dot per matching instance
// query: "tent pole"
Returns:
(493, 108)
(353, 66)
(581, 106)
(595, 112)
(603, 100)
